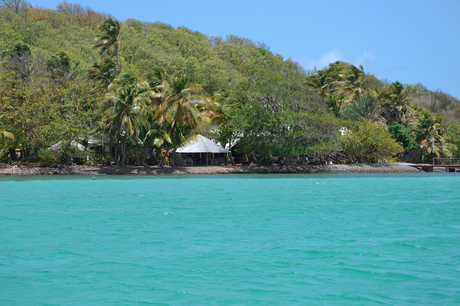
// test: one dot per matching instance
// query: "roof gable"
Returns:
(202, 145)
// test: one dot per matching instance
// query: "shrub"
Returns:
(91, 158)
(47, 157)
(403, 135)
(265, 160)
(369, 142)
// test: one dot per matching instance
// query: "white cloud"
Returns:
(322, 61)
(363, 58)
(332, 56)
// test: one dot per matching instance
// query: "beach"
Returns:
(197, 170)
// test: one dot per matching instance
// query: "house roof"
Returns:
(74, 144)
(202, 145)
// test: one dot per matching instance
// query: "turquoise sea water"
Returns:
(231, 240)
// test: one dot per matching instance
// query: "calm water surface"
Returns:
(231, 240)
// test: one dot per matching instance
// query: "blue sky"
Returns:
(408, 41)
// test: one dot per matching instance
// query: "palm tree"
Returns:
(126, 116)
(178, 102)
(177, 109)
(321, 82)
(397, 105)
(364, 107)
(429, 130)
(4, 133)
(156, 78)
(19, 58)
(104, 72)
(218, 107)
(18, 50)
(335, 104)
(157, 134)
(60, 66)
(353, 82)
(154, 135)
(109, 40)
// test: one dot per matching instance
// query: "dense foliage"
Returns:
(71, 73)
(367, 141)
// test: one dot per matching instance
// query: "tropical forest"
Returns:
(70, 74)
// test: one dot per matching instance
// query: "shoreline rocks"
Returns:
(200, 170)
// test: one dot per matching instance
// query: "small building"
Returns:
(204, 152)
(101, 144)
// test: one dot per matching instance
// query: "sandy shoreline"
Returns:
(134, 170)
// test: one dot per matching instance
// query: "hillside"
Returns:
(57, 85)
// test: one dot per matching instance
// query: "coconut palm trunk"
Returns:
(110, 147)
(144, 155)
(124, 152)
(231, 158)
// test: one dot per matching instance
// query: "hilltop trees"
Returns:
(280, 116)
(349, 93)
(46, 107)
(15, 5)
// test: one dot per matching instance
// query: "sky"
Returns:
(398, 40)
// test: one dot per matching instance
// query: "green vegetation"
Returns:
(72, 73)
(368, 141)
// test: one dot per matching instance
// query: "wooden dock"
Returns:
(449, 165)
(430, 168)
